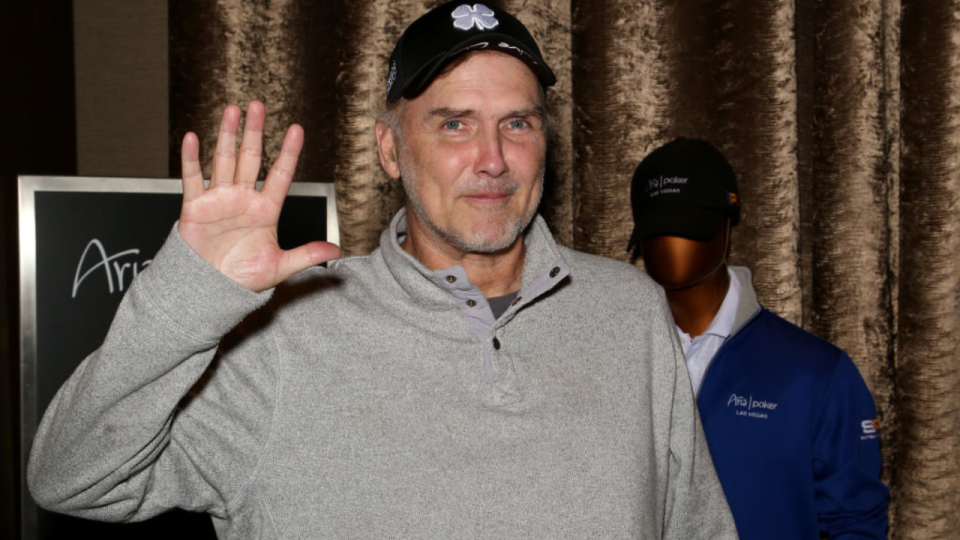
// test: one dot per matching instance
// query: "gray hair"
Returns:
(391, 114)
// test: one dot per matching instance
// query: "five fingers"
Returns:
(243, 168)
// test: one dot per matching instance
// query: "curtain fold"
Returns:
(842, 120)
(926, 469)
(736, 60)
(620, 91)
(366, 197)
(232, 52)
(853, 191)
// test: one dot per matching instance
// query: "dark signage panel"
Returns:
(83, 240)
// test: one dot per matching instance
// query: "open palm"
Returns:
(231, 224)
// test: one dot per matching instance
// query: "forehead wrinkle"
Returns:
(454, 93)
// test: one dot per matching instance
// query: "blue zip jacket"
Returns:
(792, 431)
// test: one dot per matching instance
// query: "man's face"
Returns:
(680, 263)
(472, 153)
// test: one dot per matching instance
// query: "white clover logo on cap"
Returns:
(466, 17)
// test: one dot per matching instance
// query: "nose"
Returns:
(490, 159)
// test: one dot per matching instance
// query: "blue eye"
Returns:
(517, 124)
(452, 124)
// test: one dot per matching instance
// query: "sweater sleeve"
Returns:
(122, 440)
(851, 500)
(696, 507)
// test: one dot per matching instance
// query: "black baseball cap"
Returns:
(450, 30)
(684, 188)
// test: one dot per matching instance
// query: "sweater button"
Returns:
(451, 279)
(496, 344)
(471, 303)
(555, 271)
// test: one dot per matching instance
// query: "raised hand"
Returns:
(231, 224)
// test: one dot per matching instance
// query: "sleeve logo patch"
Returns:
(870, 429)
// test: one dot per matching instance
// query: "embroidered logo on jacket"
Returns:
(479, 16)
(870, 429)
(750, 407)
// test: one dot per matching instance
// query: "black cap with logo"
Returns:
(453, 29)
(684, 188)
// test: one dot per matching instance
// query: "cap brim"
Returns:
(697, 225)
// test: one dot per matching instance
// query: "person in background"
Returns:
(790, 423)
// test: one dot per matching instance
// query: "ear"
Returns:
(387, 149)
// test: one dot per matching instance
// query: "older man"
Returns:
(469, 379)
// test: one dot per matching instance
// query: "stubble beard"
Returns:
(478, 242)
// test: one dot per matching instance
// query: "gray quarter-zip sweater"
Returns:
(378, 399)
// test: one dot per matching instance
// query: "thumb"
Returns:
(305, 256)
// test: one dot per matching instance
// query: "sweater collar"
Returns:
(541, 259)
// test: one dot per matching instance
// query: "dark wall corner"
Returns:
(38, 137)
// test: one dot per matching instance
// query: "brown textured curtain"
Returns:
(841, 117)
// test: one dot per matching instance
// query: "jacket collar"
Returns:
(749, 306)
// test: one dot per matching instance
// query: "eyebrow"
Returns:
(445, 112)
(536, 110)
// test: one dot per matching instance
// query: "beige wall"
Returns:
(122, 88)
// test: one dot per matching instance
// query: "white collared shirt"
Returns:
(700, 350)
